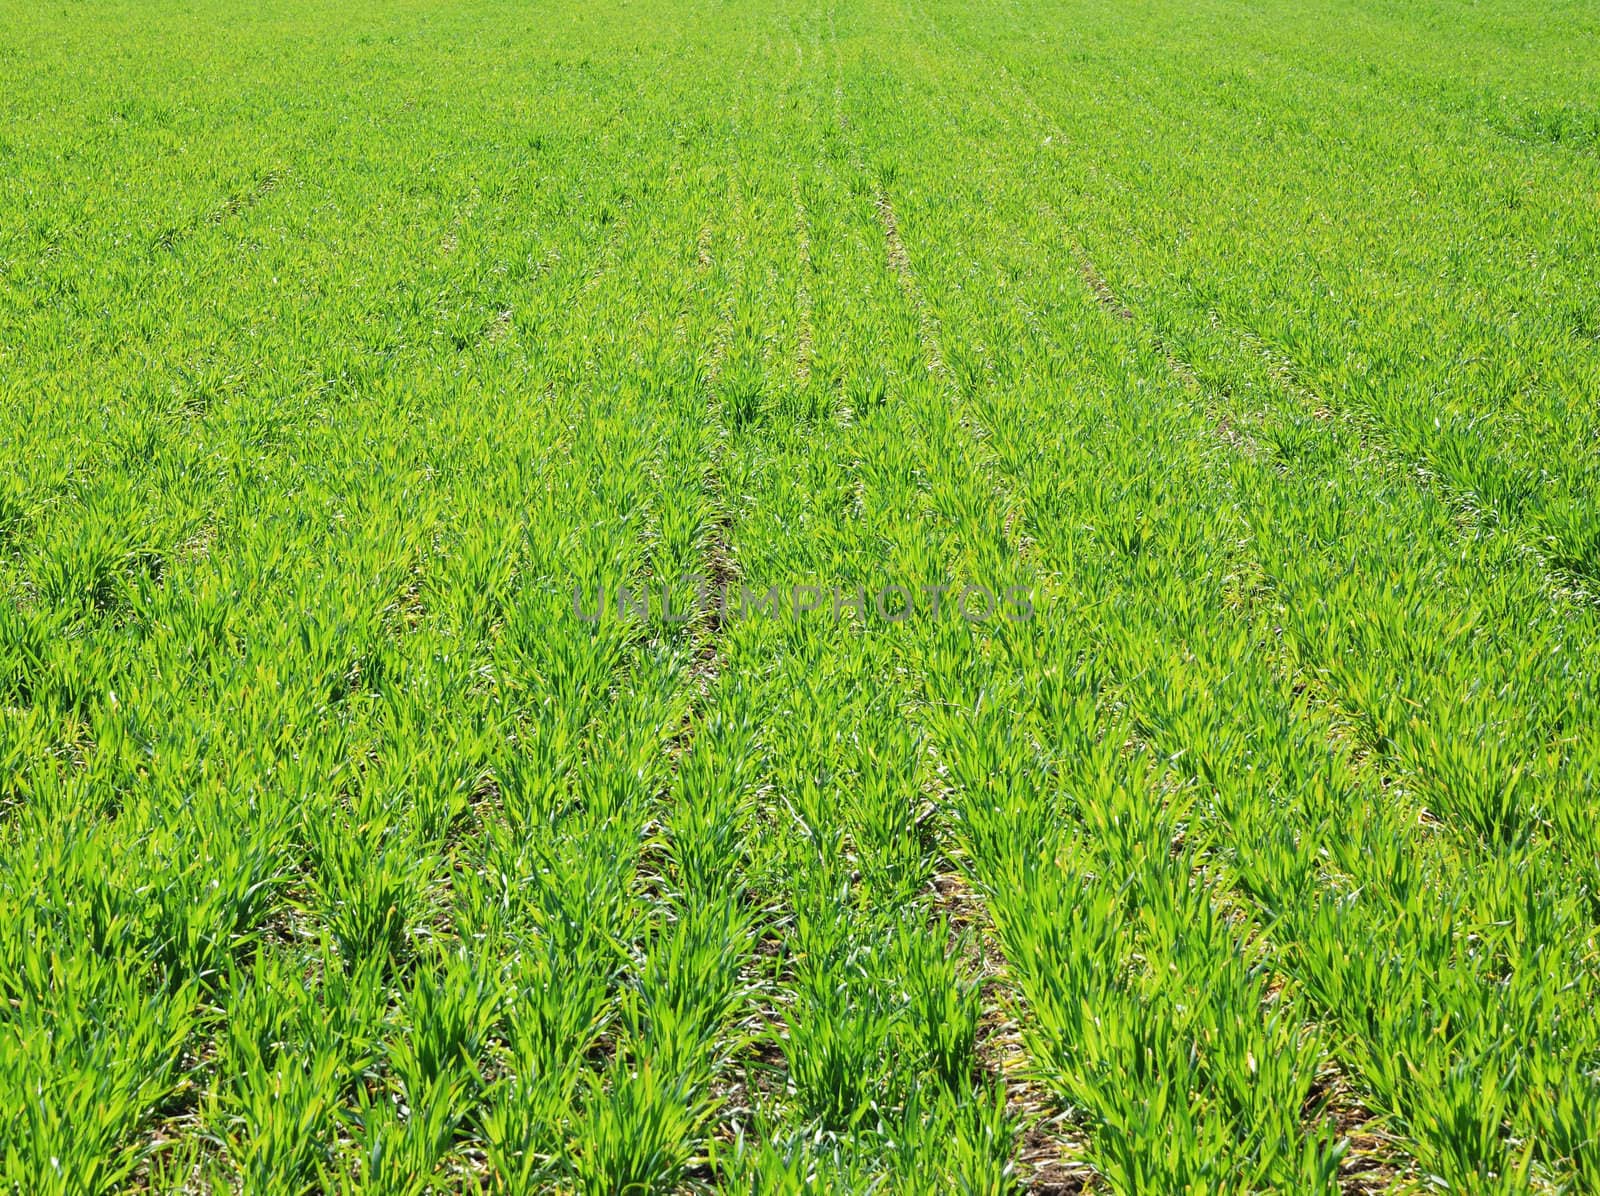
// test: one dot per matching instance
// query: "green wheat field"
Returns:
(775, 596)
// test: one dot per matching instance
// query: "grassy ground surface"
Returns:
(1217, 380)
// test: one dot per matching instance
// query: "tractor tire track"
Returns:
(1050, 1156)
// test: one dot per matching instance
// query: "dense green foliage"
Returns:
(341, 345)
